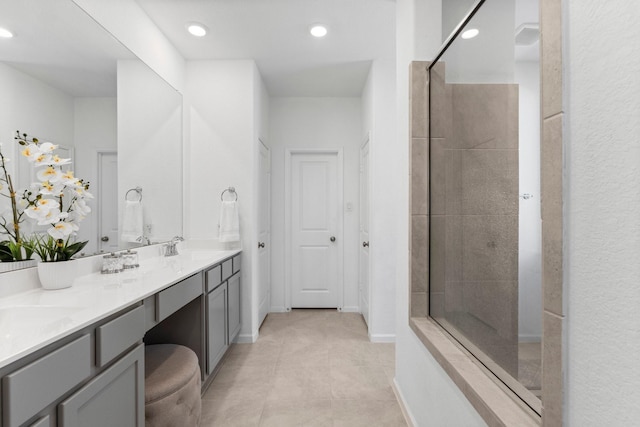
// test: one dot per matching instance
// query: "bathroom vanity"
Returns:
(75, 357)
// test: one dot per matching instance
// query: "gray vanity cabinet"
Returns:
(113, 398)
(217, 340)
(93, 379)
(233, 292)
(223, 309)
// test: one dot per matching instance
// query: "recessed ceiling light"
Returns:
(6, 34)
(196, 29)
(318, 30)
(471, 33)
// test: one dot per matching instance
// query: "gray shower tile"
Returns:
(552, 374)
(419, 176)
(419, 252)
(490, 249)
(551, 189)
(441, 102)
(419, 125)
(489, 182)
(437, 180)
(486, 115)
(453, 181)
(551, 60)
(437, 253)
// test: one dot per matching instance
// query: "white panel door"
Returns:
(364, 231)
(107, 201)
(316, 219)
(264, 231)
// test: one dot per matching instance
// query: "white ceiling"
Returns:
(275, 33)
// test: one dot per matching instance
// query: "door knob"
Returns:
(105, 238)
(365, 244)
(260, 245)
(332, 238)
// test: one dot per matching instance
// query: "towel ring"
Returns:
(137, 190)
(230, 190)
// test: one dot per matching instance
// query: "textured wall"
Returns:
(602, 206)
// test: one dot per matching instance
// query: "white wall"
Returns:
(31, 106)
(128, 23)
(602, 205)
(220, 117)
(378, 106)
(430, 396)
(315, 123)
(150, 148)
(527, 75)
(95, 129)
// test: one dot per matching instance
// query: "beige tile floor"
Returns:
(308, 368)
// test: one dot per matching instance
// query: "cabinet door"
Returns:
(234, 306)
(113, 398)
(217, 339)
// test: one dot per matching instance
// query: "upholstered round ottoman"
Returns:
(172, 386)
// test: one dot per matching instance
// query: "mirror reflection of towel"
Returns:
(132, 221)
(229, 222)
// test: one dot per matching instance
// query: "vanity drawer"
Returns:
(116, 336)
(31, 388)
(227, 269)
(177, 296)
(214, 277)
(237, 262)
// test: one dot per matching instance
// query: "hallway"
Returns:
(308, 368)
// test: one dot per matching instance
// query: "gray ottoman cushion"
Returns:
(172, 386)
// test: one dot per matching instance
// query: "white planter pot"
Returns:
(17, 265)
(57, 275)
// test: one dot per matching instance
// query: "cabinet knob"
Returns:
(332, 238)
(260, 245)
(105, 238)
(365, 244)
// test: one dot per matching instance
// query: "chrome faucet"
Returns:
(171, 247)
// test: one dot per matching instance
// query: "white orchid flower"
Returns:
(61, 230)
(50, 174)
(31, 152)
(42, 160)
(46, 147)
(38, 211)
(59, 161)
(51, 189)
(53, 216)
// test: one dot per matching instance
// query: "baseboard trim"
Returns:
(351, 309)
(278, 309)
(403, 407)
(389, 338)
(247, 338)
(529, 338)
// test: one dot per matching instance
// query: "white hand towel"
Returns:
(229, 222)
(132, 221)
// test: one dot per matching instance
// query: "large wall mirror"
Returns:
(65, 79)
(484, 188)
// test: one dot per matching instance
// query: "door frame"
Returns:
(288, 233)
(261, 144)
(365, 143)
(98, 228)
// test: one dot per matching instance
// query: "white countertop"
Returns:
(33, 319)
